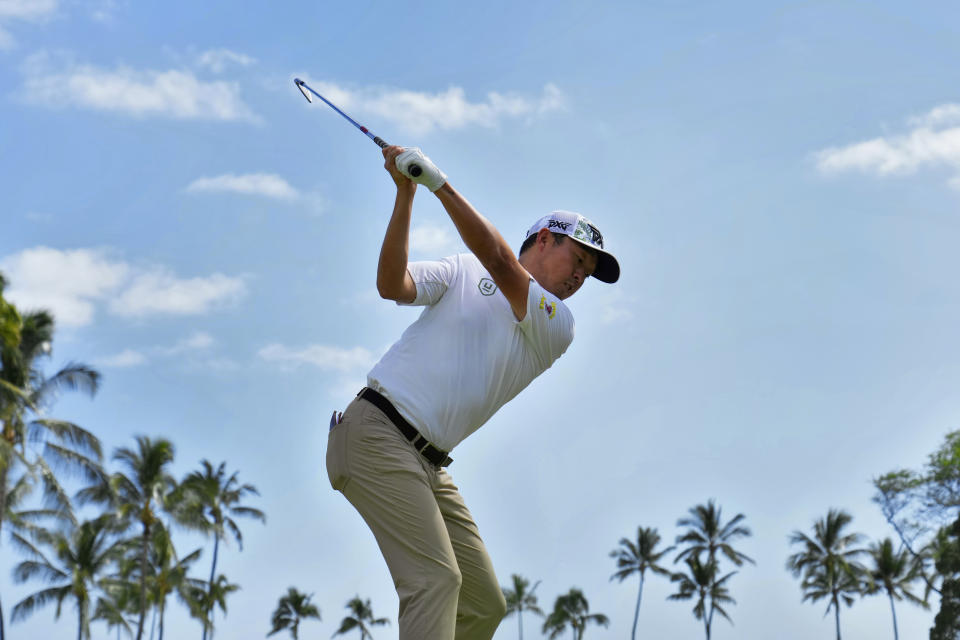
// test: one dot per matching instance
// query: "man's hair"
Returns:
(557, 239)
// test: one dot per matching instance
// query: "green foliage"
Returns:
(208, 500)
(572, 610)
(520, 597)
(292, 608)
(636, 557)
(946, 624)
(827, 562)
(361, 618)
(702, 582)
(79, 557)
(708, 542)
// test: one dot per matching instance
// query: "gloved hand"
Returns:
(430, 176)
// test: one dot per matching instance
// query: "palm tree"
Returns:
(893, 572)
(138, 496)
(168, 574)
(115, 605)
(706, 533)
(360, 616)
(636, 557)
(24, 394)
(80, 556)
(214, 499)
(208, 598)
(572, 610)
(711, 592)
(292, 609)
(519, 598)
(827, 562)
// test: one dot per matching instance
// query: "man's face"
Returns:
(565, 266)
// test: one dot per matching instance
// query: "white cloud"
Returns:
(134, 92)
(423, 112)
(434, 241)
(160, 292)
(124, 359)
(933, 142)
(263, 184)
(72, 284)
(27, 9)
(198, 341)
(325, 357)
(68, 283)
(217, 60)
(23, 10)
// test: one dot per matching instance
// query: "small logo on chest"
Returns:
(487, 286)
(549, 308)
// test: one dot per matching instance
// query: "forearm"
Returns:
(478, 233)
(392, 277)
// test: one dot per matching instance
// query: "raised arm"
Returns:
(393, 279)
(483, 240)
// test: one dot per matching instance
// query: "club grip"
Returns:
(380, 142)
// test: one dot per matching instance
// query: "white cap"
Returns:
(584, 232)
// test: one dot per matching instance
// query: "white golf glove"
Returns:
(430, 176)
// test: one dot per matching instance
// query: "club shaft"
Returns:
(414, 169)
(377, 139)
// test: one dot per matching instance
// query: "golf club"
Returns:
(304, 88)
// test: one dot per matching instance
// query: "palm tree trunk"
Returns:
(1, 622)
(79, 623)
(706, 627)
(163, 610)
(896, 635)
(836, 611)
(143, 580)
(519, 622)
(213, 571)
(636, 613)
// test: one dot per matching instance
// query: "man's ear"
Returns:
(543, 237)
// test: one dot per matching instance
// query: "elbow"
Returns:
(385, 291)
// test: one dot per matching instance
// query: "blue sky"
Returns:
(780, 182)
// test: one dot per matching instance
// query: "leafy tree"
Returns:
(25, 392)
(520, 598)
(361, 615)
(827, 562)
(711, 592)
(211, 501)
(636, 557)
(79, 557)
(138, 495)
(892, 572)
(292, 609)
(572, 610)
(946, 624)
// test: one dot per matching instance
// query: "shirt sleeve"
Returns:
(431, 277)
(548, 325)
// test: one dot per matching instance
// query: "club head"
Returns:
(306, 94)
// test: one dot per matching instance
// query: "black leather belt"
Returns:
(431, 453)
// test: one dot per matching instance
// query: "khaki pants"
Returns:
(440, 567)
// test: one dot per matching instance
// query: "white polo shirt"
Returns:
(467, 355)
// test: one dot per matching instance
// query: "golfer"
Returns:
(491, 323)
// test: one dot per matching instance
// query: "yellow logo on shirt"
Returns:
(548, 307)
